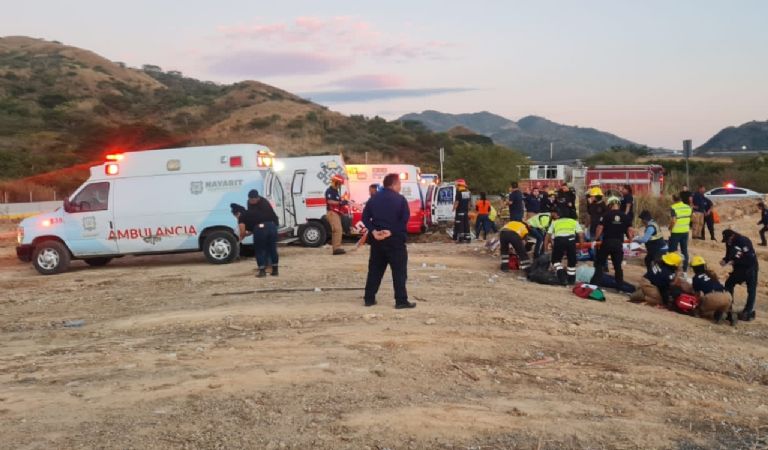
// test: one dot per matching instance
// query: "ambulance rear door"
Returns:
(443, 203)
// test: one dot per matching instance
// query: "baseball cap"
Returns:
(253, 193)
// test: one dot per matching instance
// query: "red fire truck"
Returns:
(644, 179)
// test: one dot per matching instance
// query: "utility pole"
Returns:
(366, 157)
(442, 159)
(687, 145)
(551, 151)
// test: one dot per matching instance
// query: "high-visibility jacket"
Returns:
(517, 227)
(682, 215)
(483, 207)
(565, 227)
(540, 221)
(656, 231)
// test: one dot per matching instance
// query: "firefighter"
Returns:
(612, 228)
(538, 226)
(461, 209)
(679, 228)
(513, 233)
(655, 245)
(764, 222)
(715, 301)
(595, 209)
(335, 209)
(659, 281)
(740, 253)
(563, 235)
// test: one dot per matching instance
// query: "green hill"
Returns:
(748, 137)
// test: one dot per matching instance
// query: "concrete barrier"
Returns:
(15, 211)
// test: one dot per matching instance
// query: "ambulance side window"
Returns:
(277, 197)
(298, 183)
(94, 197)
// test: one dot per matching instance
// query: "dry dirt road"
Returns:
(485, 360)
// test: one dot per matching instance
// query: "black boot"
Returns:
(562, 277)
(275, 272)
(262, 273)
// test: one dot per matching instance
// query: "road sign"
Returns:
(687, 145)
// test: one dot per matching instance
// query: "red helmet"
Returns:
(461, 182)
(337, 178)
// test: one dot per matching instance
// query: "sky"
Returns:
(655, 72)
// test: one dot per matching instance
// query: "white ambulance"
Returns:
(152, 202)
(305, 179)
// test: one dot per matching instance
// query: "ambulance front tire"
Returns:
(221, 247)
(97, 262)
(313, 234)
(50, 257)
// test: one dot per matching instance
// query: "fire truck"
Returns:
(645, 179)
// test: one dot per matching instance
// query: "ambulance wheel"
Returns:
(97, 262)
(220, 247)
(50, 257)
(313, 234)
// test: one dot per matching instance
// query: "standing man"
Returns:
(373, 189)
(534, 204)
(566, 201)
(709, 218)
(513, 233)
(596, 208)
(655, 245)
(261, 221)
(697, 220)
(686, 196)
(461, 210)
(679, 227)
(564, 233)
(515, 202)
(386, 218)
(740, 253)
(628, 204)
(764, 222)
(335, 209)
(612, 228)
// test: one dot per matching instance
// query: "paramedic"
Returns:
(563, 234)
(715, 301)
(612, 228)
(655, 245)
(658, 282)
(538, 226)
(513, 233)
(261, 221)
(740, 252)
(482, 222)
(386, 216)
(335, 209)
(679, 227)
(461, 209)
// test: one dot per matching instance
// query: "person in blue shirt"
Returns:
(628, 203)
(655, 245)
(658, 285)
(764, 222)
(386, 217)
(702, 215)
(740, 253)
(715, 302)
(515, 202)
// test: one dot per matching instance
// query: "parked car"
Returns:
(731, 192)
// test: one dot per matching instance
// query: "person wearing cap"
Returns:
(513, 233)
(679, 227)
(386, 217)
(237, 209)
(613, 226)
(335, 209)
(261, 221)
(538, 226)
(715, 301)
(566, 201)
(596, 208)
(461, 231)
(515, 201)
(563, 234)
(764, 222)
(658, 282)
(740, 253)
(655, 245)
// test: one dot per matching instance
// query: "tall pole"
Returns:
(551, 151)
(442, 158)
(687, 147)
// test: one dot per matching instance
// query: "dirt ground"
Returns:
(486, 360)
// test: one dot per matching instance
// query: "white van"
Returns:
(305, 179)
(152, 202)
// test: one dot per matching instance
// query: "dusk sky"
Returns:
(655, 72)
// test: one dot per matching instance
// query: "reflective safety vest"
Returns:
(565, 227)
(657, 231)
(517, 227)
(540, 221)
(682, 218)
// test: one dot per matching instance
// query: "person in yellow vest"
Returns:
(538, 225)
(680, 227)
(564, 233)
(514, 233)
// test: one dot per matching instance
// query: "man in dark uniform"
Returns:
(261, 221)
(516, 203)
(461, 209)
(740, 252)
(612, 227)
(335, 210)
(386, 216)
(764, 222)
(566, 201)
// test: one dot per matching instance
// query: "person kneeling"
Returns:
(714, 301)
(513, 234)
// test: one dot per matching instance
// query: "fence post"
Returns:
(30, 196)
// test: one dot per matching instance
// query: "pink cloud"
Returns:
(258, 63)
(373, 81)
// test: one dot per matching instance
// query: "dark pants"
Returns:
(539, 235)
(653, 251)
(709, 221)
(507, 238)
(565, 246)
(482, 223)
(390, 252)
(762, 234)
(744, 275)
(615, 249)
(461, 227)
(265, 244)
(516, 216)
(682, 240)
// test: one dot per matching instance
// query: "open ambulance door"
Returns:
(442, 203)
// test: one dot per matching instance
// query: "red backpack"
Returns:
(514, 262)
(686, 303)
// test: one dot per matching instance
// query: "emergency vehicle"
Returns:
(152, 202)
(439, 203)
(645, 179)
(361, 176)
(306, 178)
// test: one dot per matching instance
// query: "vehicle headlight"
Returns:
(20, 234)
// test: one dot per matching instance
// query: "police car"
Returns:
(730, 192)
(152, 202)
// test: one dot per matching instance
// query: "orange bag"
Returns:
(715, 216)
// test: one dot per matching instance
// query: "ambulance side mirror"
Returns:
(67, 206)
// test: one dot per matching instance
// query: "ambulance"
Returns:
(306, 179)
(361, 176)
(153, 202)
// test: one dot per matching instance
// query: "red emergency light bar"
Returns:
(112, 169)
(729, 185)
(115, 157)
